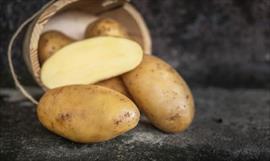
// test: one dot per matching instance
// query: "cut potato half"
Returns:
(90, 61)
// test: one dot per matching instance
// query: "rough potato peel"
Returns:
(87, 113)
(162, 94)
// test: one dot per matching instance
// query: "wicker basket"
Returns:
(120, 10)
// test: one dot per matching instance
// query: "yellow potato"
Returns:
(106, 27)
(50, 42)
(116, 84)
(87, 113)
(162, 94)
(90, 61)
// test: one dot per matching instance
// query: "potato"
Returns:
(87, 113)
(90, 61)
(50, 42)
(116, 84)
(106, 27)
(162, 94)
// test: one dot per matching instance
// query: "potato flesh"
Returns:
(90, 61)
(87, 113)
(161, 93)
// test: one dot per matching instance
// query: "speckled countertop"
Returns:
(222, 49)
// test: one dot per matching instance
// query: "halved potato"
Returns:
(90, 61)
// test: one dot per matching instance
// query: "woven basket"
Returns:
(121, 10)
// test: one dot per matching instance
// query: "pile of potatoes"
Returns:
(97, 87)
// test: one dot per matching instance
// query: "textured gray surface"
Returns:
(229, 125)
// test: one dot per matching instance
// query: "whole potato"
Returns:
(106, 27)
(50, 42)
(87, 113)
(116, 84)
(109, 27)
(162, 94)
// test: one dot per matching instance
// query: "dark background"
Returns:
(220, 47)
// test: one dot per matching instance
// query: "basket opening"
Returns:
(73, 22)
(73, 16)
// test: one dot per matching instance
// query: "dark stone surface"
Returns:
(221, 47)
(229, 125)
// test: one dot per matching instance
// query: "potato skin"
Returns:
(116, 84)
(87, 113)
(106, 27)
(50, 42)
(162, 94)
